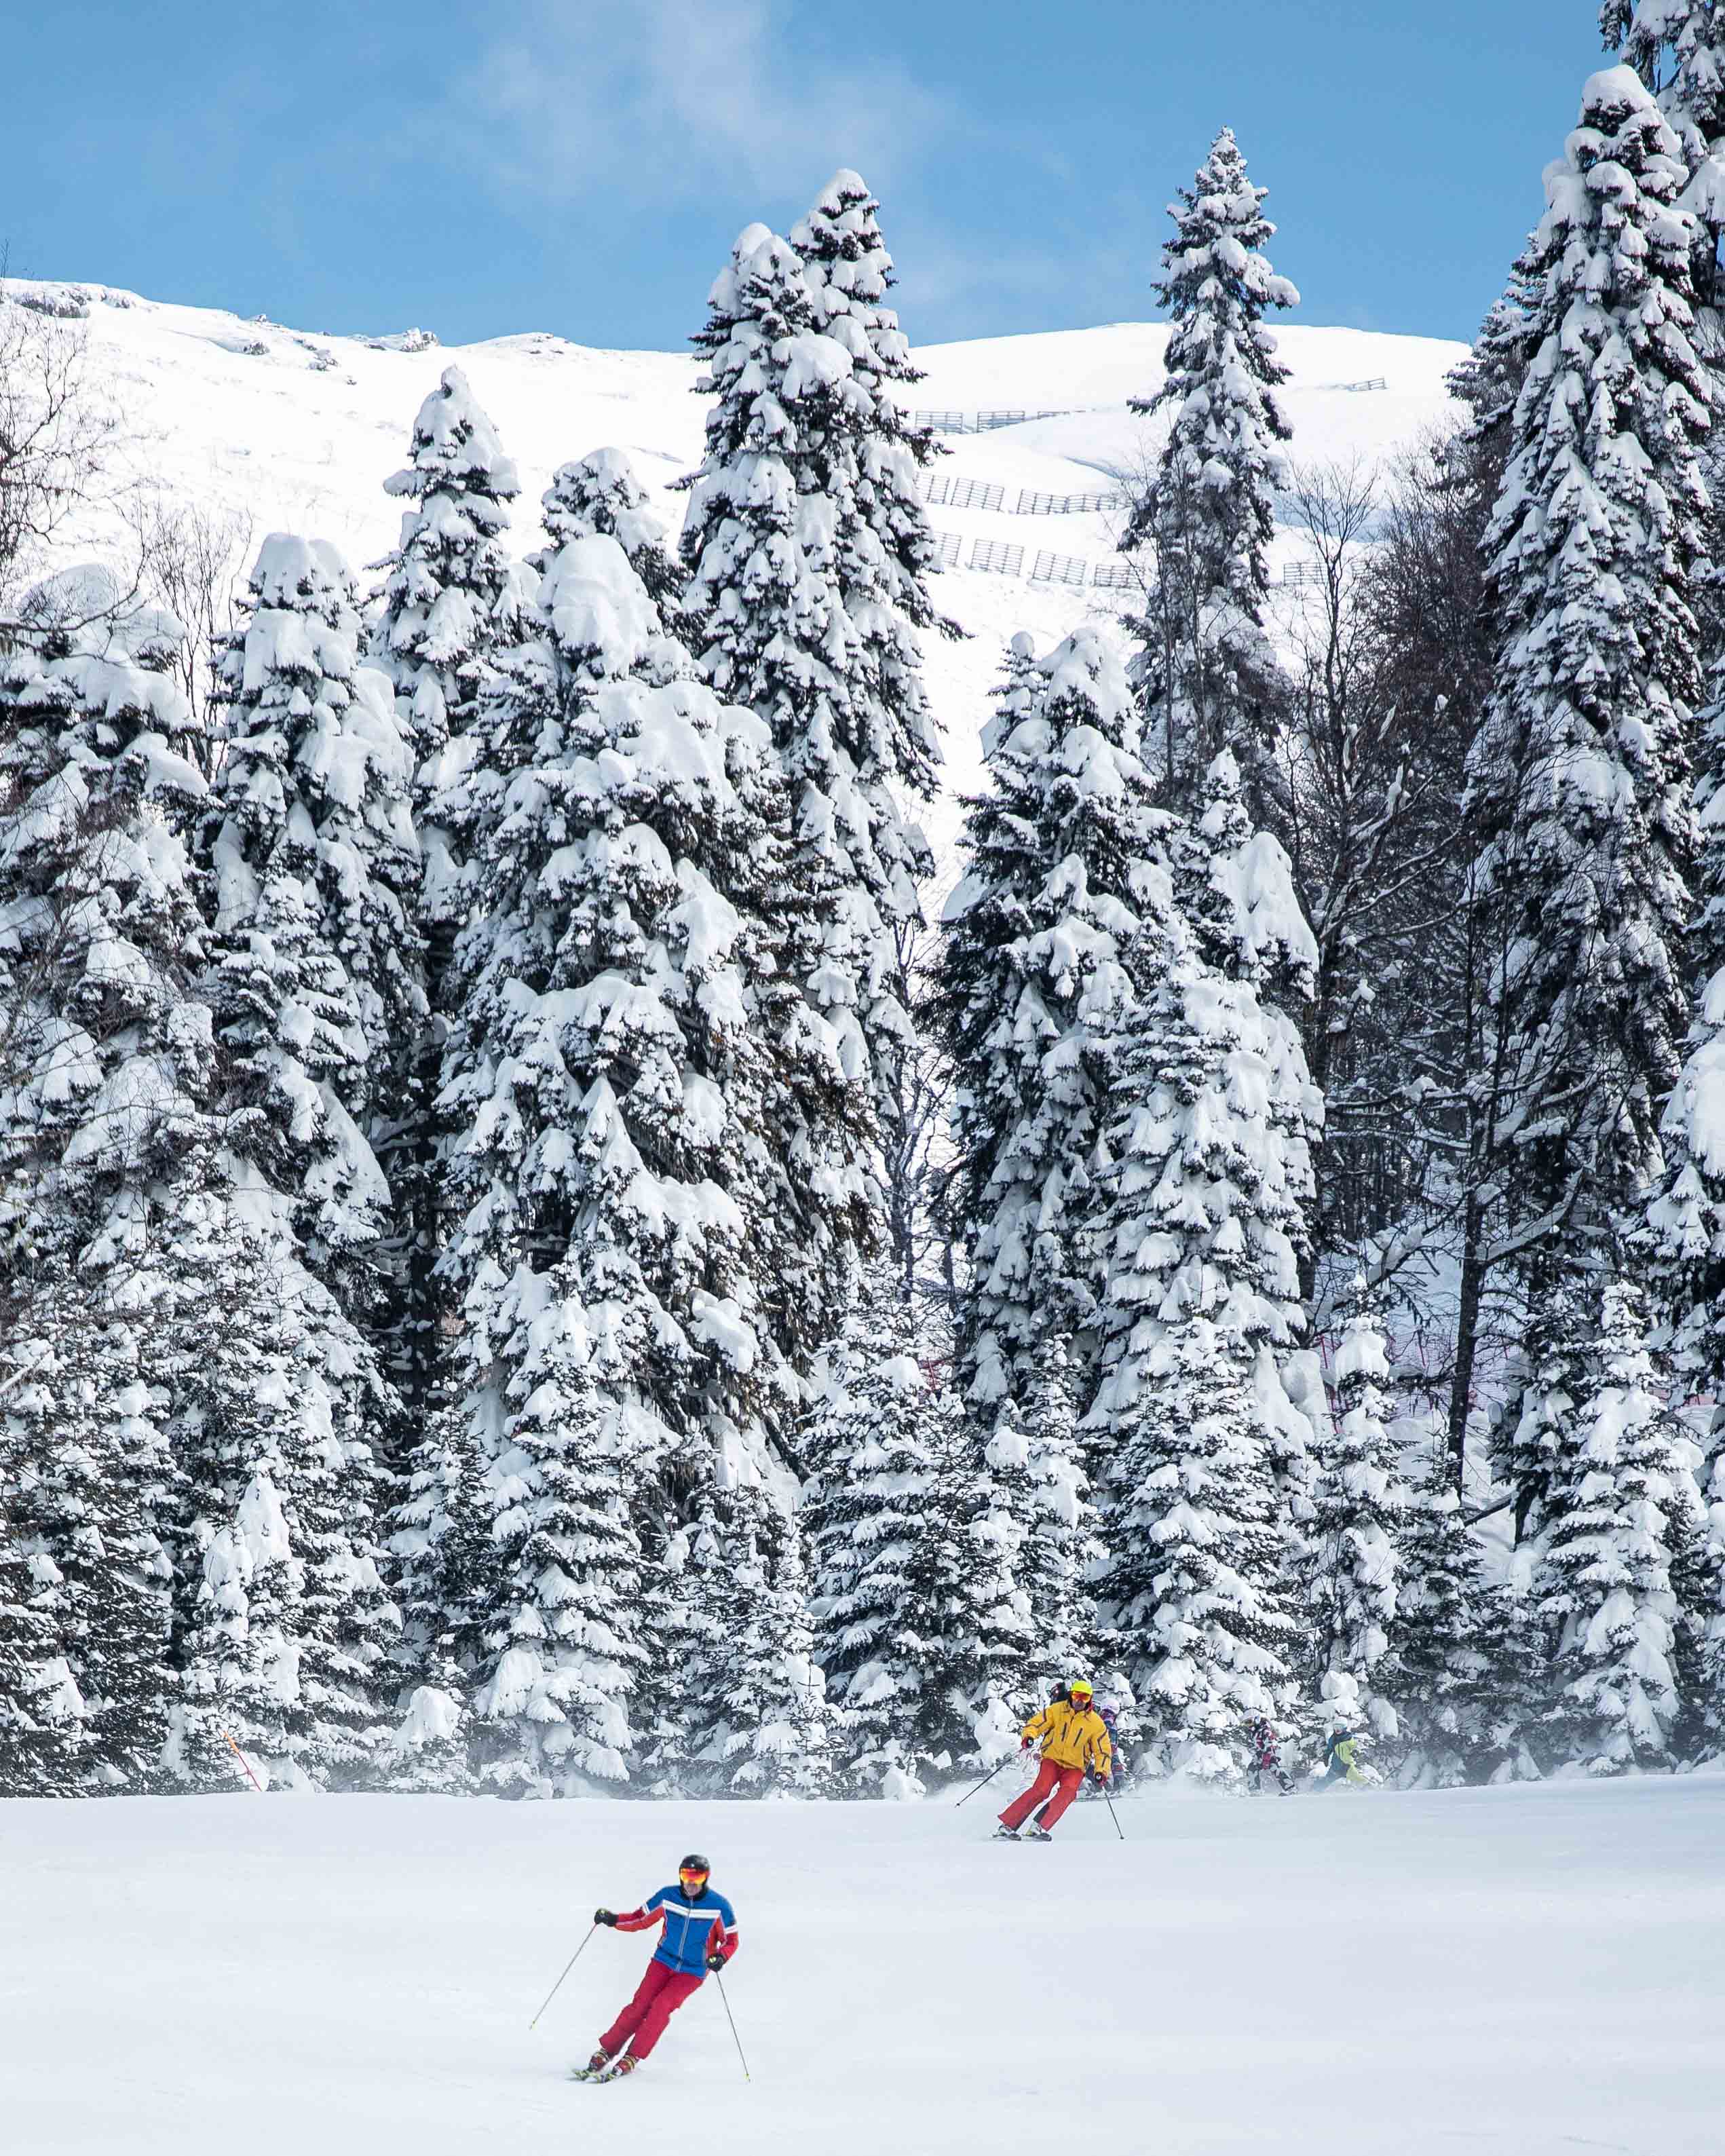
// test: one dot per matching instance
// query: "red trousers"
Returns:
(1059, 1784)
(659, 1995)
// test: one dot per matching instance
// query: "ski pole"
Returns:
(244, 1763)
(732, 2019)
(558, 1985)
(985, 1781)
(1113, 1814)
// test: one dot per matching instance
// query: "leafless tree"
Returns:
(194, 558)
(57, 437)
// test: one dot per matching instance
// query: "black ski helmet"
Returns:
(695, 1864)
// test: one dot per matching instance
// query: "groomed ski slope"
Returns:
(1536, 1969)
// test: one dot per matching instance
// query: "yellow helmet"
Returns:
(1079, 1687)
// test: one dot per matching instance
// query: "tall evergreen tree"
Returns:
(1208, 512)
(1622, 1519)
(1580, 777)
(616, 1170)
(1353, 1582)
(807, 551)
(1056, 855)
(917, 1624)
(1454, 1689)
(103, 1059)
(451, 601)
(309, 850)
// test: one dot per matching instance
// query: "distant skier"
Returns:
(1073, 1736)
(1266, 1756)
(1111, 1714)
(1341, 1761)
(699, 1935)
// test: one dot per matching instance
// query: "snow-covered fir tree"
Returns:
(620, 1186)
(1489, 380)
(450, 600)
(1036, 1458)
(285, 1634)
(103, 1055)
(450, 595)
(1199, 1244)
(872, 459)
(918, 1627)
(808, 552)
(309, 850)
(1623, 1516)
(1030, 968)
(599, 496)
(1206, 670)
(1579, 776)
(1459, 1705)
(1352, 1572)
(741, 1700)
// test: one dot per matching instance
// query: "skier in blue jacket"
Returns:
(699, 1935)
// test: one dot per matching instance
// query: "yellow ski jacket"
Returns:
(1072, 1736)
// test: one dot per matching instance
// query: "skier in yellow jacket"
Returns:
(1073, 1736)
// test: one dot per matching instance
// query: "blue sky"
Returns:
(582, 167)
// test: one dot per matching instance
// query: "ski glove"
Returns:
(1027, 1744)
(603, 1916)
(716, 1960)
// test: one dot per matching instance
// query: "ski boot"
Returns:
(594, 2068)
(1037, 1832)
(619, 2067)
(1006, 1834)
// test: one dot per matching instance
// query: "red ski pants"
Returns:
(659, 1995)
(1059, 1784)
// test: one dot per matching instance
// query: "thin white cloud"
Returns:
(671, 102)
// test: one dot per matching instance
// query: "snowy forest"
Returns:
(548, 1247)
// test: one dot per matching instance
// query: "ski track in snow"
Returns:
(306, 448)
(1533, 1969)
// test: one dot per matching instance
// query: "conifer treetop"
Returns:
(1216, 285)
(1677, 47)
(456, 451)
(850, 271)
(599, 496)
(451, 593)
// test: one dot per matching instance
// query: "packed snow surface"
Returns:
(1533, 1969)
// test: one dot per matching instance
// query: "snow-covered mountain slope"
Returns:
(1528, 1971)
(300, 430)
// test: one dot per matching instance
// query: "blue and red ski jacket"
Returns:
(692, 1929)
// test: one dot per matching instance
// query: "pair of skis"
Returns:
(612, 2071)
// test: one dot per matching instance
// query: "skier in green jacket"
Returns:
(1341, 1762)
